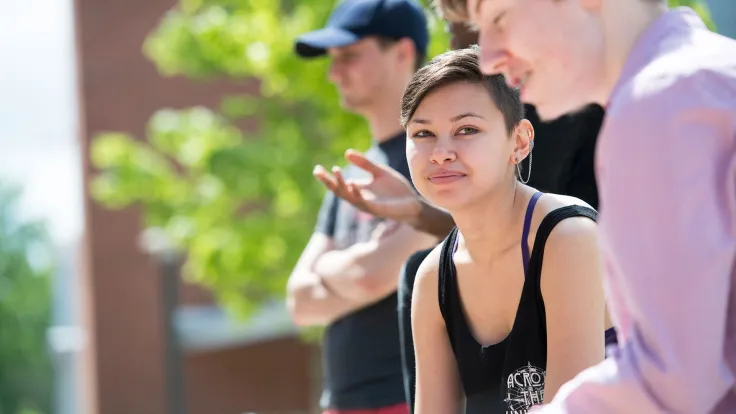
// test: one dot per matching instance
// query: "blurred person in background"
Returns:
(666, 169)
(346, 277)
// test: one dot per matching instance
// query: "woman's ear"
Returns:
(524, 136)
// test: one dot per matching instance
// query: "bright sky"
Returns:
(38, 113)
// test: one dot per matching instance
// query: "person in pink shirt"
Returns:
(666, 171)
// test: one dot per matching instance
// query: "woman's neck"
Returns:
(494, 224)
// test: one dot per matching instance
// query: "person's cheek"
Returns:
(416, 161)
(412, 155)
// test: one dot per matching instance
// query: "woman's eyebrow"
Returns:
(465, 115)
(452, 119)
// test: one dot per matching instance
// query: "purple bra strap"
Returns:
(527, 224)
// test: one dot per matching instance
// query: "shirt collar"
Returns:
(653, 40)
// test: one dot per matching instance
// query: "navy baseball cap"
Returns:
(353, 20)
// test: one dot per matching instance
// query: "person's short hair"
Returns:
(462, 65)
(455, 11)
(385, 42)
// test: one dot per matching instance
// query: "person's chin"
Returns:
(448, 200)
(352, 105)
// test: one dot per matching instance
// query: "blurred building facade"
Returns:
(227, 367)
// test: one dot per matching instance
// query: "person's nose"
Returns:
(494, 57)
(443, 151)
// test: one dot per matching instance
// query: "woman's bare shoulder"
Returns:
(568, 231)
(425, 284)
(552, 201)
(429, 269)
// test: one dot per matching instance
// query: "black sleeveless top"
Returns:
(507, 377)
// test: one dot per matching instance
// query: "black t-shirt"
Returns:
(361, 353)
(507, 377)
(564, 153)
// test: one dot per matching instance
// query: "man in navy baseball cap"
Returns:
(368, 42)
(346, 278)
(353, 20)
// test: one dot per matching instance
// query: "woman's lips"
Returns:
(446, 177)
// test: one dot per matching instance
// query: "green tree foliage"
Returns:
(25, 305)
(240, 204)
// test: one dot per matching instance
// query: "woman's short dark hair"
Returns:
(456, 66)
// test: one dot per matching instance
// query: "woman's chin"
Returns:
(448, 200)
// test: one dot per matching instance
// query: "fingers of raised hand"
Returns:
(342, 187)
(356, 196)
(359, 160)
(348, 190)
(325, 178)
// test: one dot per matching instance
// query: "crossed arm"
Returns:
(327, 284)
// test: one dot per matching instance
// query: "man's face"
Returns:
(361, 72)
(551, 49)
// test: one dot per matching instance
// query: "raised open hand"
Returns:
(386, 193)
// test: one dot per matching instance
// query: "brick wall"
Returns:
(123, 365)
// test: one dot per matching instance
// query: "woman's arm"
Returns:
(438, 381)
(574, 301)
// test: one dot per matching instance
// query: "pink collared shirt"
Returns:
(666, 170)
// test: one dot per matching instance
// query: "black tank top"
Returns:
(507, 377)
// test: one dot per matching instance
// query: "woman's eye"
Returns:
(422, 134)
(467, 131)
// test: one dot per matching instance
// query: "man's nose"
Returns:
(493, 56)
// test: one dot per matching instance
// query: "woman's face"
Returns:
(458, 148)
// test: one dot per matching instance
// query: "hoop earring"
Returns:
(529, 174)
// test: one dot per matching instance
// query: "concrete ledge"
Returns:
(209, 328)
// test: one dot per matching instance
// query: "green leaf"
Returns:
(25, 310)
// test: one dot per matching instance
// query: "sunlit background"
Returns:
(142, 141)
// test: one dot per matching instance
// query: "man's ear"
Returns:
(406, 51)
